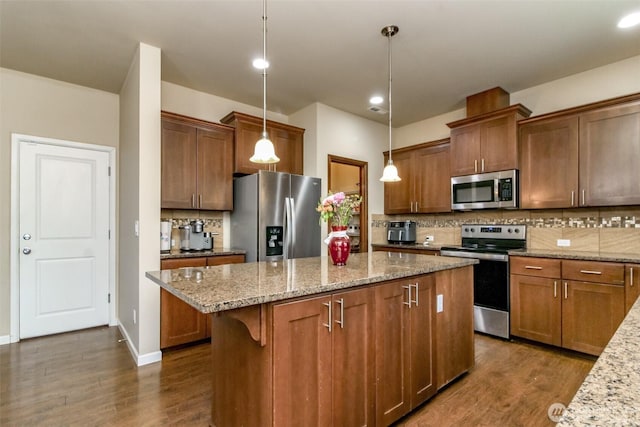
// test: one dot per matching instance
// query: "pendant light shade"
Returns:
(390, 173)
(264, 151)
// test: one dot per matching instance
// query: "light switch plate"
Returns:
(439, 303)
(564, 242)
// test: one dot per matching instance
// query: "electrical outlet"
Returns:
(135, 316)
(564, 242)
(429, 238)
(136, 228)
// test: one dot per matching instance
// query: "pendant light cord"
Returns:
(264, 68)
(390, 114)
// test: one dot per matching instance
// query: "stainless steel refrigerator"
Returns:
(274, 216)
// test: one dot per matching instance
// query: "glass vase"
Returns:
(339, 245)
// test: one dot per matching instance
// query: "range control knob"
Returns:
(509, 230)
(466, 229)
(473, 229)
(517, 230)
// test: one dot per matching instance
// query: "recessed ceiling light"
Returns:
(375, 100)
(260, 64)
(629, 20)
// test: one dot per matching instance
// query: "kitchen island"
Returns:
(305, 342)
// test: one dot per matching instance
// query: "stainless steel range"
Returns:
(490, 244)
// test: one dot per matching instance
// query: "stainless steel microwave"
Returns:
(491, 190)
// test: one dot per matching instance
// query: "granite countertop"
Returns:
(429, 247)
(609, 394)
(177, 253)
(225, 287)
(578, 255)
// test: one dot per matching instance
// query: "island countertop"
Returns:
(225, 287)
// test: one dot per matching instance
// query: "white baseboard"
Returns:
(143, 359)
(8, 339)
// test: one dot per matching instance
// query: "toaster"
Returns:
(401, 232)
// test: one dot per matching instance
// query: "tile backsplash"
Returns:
(212, 223)
(588, 229)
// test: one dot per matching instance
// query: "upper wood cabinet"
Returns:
(548, 152)
(288, 142)
(425, 185)
(486, 143)
(584, 156)
(197, 164)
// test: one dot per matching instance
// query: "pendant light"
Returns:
(390, 172)
(264, 151)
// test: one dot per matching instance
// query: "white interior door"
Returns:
(64, 238)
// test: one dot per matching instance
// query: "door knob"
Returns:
(26, 251)
(26, 236)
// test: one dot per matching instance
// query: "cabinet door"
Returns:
(610, 155)
(246, 136)
(392, 351)
(549, 164)
(591, 313)
(353, 358)
(432, 180)
(454, 324)
(215, 169)
(498, 144)
(179, 322)
(422, 364)
(465, 150)
(536, 308)
(632, 285)
(302, 363)
(399, 196)
(288, 145)
(178, 164)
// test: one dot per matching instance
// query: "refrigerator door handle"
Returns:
(287, 227)
(293, 225)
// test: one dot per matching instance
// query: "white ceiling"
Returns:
(326, 51)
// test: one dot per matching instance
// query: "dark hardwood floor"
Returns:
(89, 378)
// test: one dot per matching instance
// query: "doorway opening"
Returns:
(350, 176)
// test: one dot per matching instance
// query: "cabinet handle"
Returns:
(565, 290)
(408, 288)
(416, 206)
(532, 267)
(341, 321)
(482, 168)
(328, 324)
(590, 272)
(416, 300)
(555, 288)
(631, 274)
(193, 200)
(583, 197)
(475, 165)
(199, 200)
(572, 197)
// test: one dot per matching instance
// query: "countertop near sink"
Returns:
(177, 253)
(225, 287)
(578, 255)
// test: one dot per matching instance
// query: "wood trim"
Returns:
(584, 108)
(235, 115)
(254, 318)
(517, 108)
(429, 144)
(166, 115)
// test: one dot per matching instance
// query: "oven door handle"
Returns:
(476, 255)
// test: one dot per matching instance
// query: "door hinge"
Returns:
(109, 170)
(109, 298)
(109, 234)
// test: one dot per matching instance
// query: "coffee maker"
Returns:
(194, 238)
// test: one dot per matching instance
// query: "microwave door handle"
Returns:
(496, 196)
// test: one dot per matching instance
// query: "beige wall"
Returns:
(140, 201)
(609, 81)
(34, 105)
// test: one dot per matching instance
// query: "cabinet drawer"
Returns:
(539, 267)
(593, 271)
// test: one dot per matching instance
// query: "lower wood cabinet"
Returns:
(179, 322)
(406, 249)
(574, 304)
(323, 360)
(362, 357)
